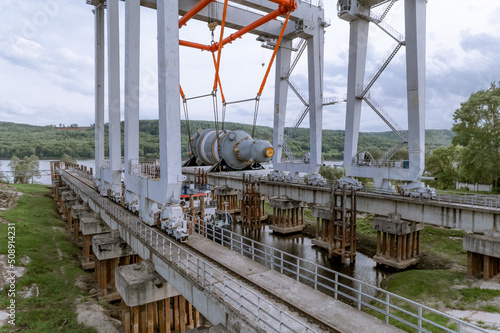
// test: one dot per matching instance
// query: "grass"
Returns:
(435, 289)
(38, 237)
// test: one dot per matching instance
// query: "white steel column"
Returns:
(315, 46)
(132, 90)
(280, 97)
(358, 42)
(169, 100)
(415, 21)
(99, 91)
(114, 95)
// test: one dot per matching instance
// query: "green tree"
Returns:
(67, 159)
(26, 169)
(331, 173)
(443, 163)
(477, 126)
(3, 178)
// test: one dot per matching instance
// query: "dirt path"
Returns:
(8, 197)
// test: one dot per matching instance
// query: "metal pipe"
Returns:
(195, 10)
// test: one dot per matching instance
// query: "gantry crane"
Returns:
(357, 164)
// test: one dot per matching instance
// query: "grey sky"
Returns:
(47, 71)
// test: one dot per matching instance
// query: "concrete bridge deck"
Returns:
(467, 216)
(338, 316)
(227, 287)
(261, 288)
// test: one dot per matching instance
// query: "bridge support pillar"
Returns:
(78, 211)
(288, 215)
(150, 303)
(398, 241)
(67, 199)
(227, 200)
(483, 254)
(336, 225)
(252, 205)
(110, 251)
(90, 226)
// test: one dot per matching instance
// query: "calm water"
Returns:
(300, 245)
(44, 169)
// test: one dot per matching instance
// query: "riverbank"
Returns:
(439, 280)
(49, 295)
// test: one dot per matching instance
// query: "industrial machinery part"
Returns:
(235, 148)
(174, 223)
(315, 180)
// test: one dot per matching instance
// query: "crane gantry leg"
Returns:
(357, 12)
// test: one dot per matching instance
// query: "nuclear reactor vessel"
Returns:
(235, 148)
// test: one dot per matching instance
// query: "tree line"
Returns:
(48, 142)
(474, 153)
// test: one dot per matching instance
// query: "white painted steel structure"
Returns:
(357, 12)
(153, 195)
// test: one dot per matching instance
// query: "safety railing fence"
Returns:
(474, 201)
(245, 301)
(150, 170)
(390, 307)
(82, 173)
(385, 305)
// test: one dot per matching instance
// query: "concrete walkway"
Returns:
(336, 314)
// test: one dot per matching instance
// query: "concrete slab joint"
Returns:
(110, 246)
(140, 284)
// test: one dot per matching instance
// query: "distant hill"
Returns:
(50, 142)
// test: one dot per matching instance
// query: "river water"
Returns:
(301, 246)
(44, 170)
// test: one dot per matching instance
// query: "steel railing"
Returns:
(243, 300)
(342, 287)
(362, 295)
(470, 201)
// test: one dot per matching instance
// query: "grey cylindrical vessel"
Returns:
(236, 147)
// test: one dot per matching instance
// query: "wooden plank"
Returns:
(196, 318)
(486, 268)
(143, 319)
(136, 319)
(176, 313)
(126, 317)
(150, 316)
(190, 315)
(168, 315)
(161, 316)
(182, 313)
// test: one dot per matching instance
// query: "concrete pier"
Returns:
(225, 195)
(89, 227)
(336, 226)
(288, 215)
(150, 303)
(398, 241)
(483, 254)
(110, 251)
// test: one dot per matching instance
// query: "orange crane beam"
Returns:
(195, 10)
(286, 6)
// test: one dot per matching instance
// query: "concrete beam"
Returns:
(395, 226)
(139, 284)
(487, 244)
(92, 226)
(110, 246)
(451, 215)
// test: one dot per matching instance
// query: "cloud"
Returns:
(47, 56)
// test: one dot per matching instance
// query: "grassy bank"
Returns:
(51, 262)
